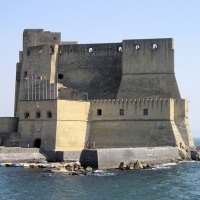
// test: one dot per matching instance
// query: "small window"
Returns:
(137, 46)
(49, 114)
(28, 53)
(60, 76)
(61, 52)
(121, 111)
(90, 50)
(154, 46)
(99, 112)
(26, 115)
(145, 111)
(54, 38)
(85, 97)
(51, 50)
(119, 48)
(25, 74)
(40, 51)
(38, 115)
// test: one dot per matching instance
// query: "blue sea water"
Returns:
(168, 181)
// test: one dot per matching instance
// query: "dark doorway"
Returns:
(37, 143)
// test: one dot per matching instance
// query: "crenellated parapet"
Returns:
(133, 109)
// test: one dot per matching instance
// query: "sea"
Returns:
(168, 181)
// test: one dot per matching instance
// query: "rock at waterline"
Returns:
(122, 165)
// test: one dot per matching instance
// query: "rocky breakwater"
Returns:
(135, 166)
(71, 168)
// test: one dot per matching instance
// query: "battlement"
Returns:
(133, 109)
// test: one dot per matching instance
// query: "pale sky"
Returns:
(102, 21)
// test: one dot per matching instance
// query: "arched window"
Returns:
(137, 46)
(38, 115)
(119, 48)
(90, 50)
(154, 46)
(26, 115)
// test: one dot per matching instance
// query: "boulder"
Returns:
(89, 169)
(144, 165)
(76, 167)
(183, 154)
(69, 168)
(138, 165)
(149, 166)
(131, 166)
(122, 166)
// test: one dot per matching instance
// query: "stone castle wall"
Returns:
(140, 73)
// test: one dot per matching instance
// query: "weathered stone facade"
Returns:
(117, 94)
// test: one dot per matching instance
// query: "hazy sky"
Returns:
(101, 21)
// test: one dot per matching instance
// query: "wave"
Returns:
(101, 173)
(187, 161)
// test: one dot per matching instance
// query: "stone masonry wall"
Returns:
(148, 69)
(92, 68)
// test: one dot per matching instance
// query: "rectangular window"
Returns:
(49, 114)
(99, 112)
(121, 111)
(85, 97)
(145, 111)
(25, 74)
(60, 76)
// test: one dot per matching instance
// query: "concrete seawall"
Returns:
(111, 158)
(96, 158)
(18, 154)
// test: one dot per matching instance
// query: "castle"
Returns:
(118, 95)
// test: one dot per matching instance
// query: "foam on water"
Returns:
(187, 161)
(101, 173)
(164, 166)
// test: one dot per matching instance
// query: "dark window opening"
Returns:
(38, 115)
(119, 48)
(49, 114)
(54, 38)
(60, 76)
(137, 46)
(26, 115)
(28, 53)
(90, 50)
(154, 46)
(51, 50)
(145, 111)
(99, 112)
(37, 143)
(121, 111)
(61, 52)
(85, 97)
(25, 74)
